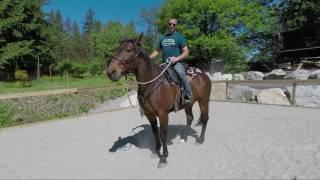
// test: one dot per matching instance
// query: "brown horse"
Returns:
(156, 96)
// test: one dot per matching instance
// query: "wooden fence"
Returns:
(228, 83)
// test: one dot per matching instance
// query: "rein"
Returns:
(148, 82)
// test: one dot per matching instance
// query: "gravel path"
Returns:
(242, 141)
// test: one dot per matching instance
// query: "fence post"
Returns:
(293, 98)
(227, 85)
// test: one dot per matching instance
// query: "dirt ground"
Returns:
(242, 141)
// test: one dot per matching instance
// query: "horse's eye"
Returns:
(129, 50)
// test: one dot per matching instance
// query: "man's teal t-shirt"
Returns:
(171, 45)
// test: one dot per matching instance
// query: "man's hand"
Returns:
(174, 59)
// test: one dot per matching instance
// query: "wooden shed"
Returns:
(300, 47)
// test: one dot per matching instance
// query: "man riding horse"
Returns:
(174, 48)
(157, 97)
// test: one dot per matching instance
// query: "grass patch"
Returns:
(57, 82)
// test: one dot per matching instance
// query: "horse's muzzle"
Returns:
(114, 76)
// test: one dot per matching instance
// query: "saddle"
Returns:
(173, 79)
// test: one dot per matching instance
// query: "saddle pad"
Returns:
(193, 72)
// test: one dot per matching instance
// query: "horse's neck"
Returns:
(147, 70)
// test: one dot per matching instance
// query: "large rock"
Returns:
(128, 100)
(275, 74)
(217, 76)
(254, 75)
(272, 96)
(238, 77)
(300, 74)
(242, 93)
(307, 96)
(315, 75)
(227, 77)
(218, 91)
(132, 100)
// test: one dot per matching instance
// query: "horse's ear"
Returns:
(123, 39)
(139, 38)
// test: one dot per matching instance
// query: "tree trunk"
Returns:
(38, 69)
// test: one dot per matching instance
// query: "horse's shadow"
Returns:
(143, 137)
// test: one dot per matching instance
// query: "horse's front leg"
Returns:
(163, 119)
(153, 122)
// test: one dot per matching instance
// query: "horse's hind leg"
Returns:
(204, 117)
(186, 130)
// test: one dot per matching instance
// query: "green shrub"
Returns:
(5, 114)
(64, 67)
(78, 70)
(67, 66)
(97, 67)
(22, 78)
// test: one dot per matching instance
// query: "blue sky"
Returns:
(105, 10)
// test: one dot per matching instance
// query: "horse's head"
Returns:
(124, 59)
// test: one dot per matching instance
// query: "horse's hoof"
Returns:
(162, 164)
(199, 141)
(182, 140)
(154, 155)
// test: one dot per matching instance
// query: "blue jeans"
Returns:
(179, 68)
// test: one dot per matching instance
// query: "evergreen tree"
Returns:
(23, 35)
(50, 17)
(75, 31)
(68, 25)
(88, 22)
(58, 21)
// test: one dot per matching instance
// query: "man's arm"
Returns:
(184, 54)
(154, 54)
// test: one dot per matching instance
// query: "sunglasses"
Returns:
(172, 24)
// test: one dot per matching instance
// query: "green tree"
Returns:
(108, 39)
(297, 13)
(220, 29)
(149, 20)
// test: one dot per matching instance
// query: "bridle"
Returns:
(130, 71)
(128, 61)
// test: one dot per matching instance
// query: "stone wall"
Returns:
(307, 94)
